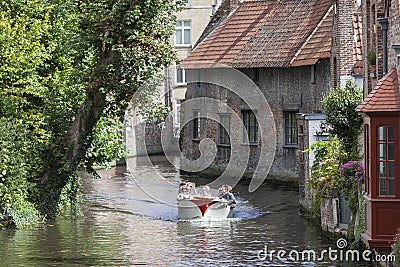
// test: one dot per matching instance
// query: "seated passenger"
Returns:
(192, 188)
(226, 191)
(181, 185)
(205, 191)
(184, 193)
(220, 192)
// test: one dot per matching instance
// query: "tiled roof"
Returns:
(269, 33)
(384, 97)
(229, 38)
(357, 48)
(317, 45)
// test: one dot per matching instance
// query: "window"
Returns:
(386, 160)
(183, 33)
(196, 124)
(250, 133)
(290, 128)
(256, 75)
(180, 74)
(313, 73)
(224, 129)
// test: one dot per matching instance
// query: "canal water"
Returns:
(130, 218)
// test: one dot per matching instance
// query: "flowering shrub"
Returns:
(352, 175)
(325, 173)
(353, 170)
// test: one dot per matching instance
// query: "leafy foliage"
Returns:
(107, 144)
(148, 104)
(37, 99)
(68, 69)
(396, 246)
(342, 118)
(325, 169)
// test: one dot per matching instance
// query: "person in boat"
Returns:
(205, 191)
(192, 188)
(184, 192)
(226, 193)
(220, 192)
(181, 185)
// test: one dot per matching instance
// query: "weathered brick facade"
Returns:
(286, 89)
(342, 63)
(373, 10)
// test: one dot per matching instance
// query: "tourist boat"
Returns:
(203, 207)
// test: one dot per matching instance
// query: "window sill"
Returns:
(180, 84)
(291, 146)
(183, 45)
(224, 145)
(382, 198)
(249, 144)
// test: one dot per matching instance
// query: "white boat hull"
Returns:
(203, 207)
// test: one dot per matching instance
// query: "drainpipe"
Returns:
(167, 87)
(384, 25)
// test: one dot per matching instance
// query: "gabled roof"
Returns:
(269, 33)
(385, 96)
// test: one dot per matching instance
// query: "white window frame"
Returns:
(180, 25)
(177, 69)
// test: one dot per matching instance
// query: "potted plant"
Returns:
(371, 59)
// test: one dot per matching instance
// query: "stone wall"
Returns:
(329, 213)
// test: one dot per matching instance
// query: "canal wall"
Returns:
(214, 171)
(142, 138)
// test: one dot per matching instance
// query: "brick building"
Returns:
(381, 110)
(284, 48)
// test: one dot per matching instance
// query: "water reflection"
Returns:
(124, 226)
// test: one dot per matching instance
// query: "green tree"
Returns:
(68, 70)
(342, 118)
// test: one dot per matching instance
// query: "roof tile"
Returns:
(269, 34)
(384, 97)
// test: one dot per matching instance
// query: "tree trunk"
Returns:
(76, 140)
